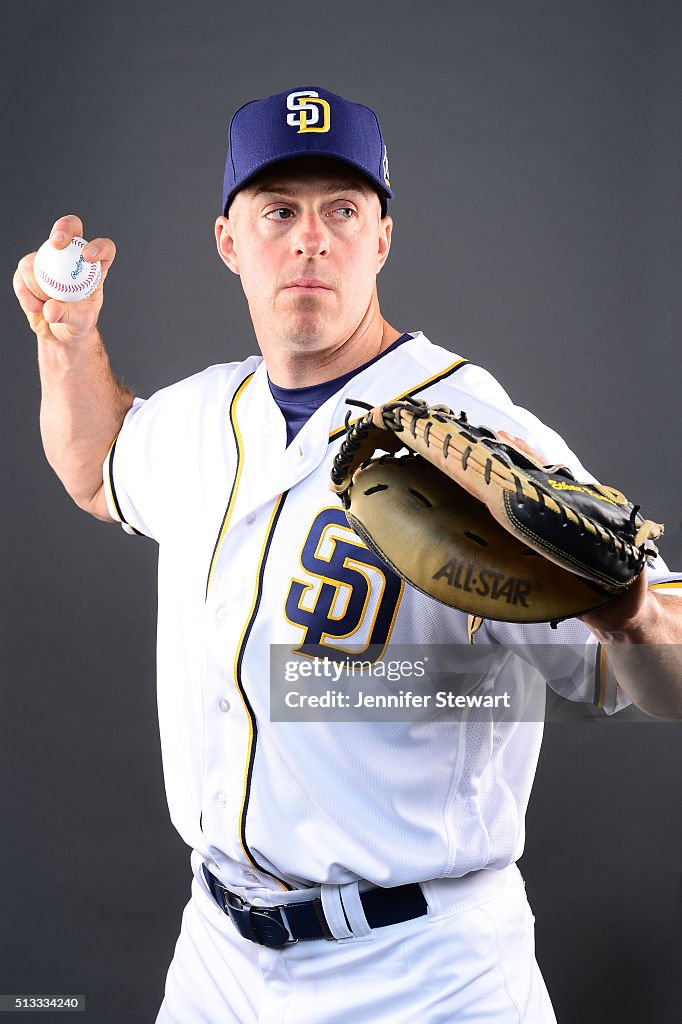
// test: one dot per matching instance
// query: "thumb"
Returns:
(523, 445)
(69, 321)
(56, 312)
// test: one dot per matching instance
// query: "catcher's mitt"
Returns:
(477, 523)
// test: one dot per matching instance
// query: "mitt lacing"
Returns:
(602, 534)
(352, 441)
(419, 409)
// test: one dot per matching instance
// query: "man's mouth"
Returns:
(309, 284)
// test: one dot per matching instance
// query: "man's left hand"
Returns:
(626, 616)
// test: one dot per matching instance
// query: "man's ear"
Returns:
(225, 242)
(385, 230)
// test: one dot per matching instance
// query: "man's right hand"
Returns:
(50, 319)
(83, 404)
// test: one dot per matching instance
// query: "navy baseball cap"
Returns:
(304, 122)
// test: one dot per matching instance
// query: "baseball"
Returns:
(65, 273)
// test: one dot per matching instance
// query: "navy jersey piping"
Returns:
(239, 660)
(113, 492)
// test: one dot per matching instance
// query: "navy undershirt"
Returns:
(298, 404)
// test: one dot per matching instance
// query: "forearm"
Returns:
(82, 408)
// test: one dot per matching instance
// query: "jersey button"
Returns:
(251, 518)
(222, 799)
(224, 705)
(222, 613)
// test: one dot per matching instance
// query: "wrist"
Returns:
(61, 354)
(639, 626)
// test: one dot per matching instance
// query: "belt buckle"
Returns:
(267, 930)
(231, 901)
(271, 931)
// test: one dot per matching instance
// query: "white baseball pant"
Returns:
(471, 959)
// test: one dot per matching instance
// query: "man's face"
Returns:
(307, 240)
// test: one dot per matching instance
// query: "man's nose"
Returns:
(312, 238)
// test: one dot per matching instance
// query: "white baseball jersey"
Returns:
(254, 550)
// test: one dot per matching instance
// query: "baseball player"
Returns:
(342, 871)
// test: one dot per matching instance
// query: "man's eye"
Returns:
(344, 212)
(281, 213)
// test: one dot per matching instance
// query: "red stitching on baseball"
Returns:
(70, 288)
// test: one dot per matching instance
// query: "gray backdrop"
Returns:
(535, 153)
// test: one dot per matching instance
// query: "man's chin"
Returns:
(305, 333)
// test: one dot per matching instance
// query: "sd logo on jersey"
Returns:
(353, 599)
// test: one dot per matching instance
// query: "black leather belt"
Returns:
(305, 919)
